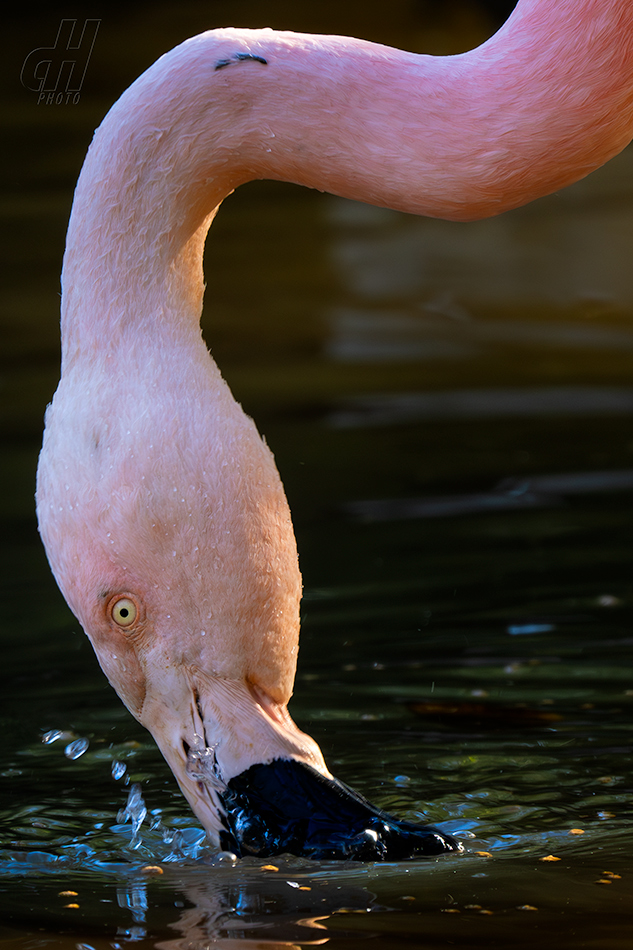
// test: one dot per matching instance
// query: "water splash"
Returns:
(184, 843)
(134, 812)
(202, 765)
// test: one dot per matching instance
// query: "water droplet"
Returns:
(76, 749)
(49, 737)
(118, 769)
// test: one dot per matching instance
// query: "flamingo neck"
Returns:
(541, 104)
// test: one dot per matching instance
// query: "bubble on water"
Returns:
(76, 749)
(118, 769)
(402, 780)
(226, 858)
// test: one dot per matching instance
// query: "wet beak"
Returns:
(260, 786)
(211, 730)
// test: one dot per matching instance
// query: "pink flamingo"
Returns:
(160, 507)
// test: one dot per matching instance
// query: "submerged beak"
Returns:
(260, 786)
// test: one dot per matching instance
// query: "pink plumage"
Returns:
(160, 507)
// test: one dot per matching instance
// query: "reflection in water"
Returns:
(133, 898)
(372, 335)
(527, 258)
(537, 491)
(271, 909)
(404, 408)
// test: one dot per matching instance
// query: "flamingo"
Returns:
(160, 507)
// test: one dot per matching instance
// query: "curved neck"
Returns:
(541, 104)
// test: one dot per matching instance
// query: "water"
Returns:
(450, 407)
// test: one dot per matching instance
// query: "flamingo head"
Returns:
(168, 531)
(173, 545)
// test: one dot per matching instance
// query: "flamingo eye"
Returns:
(124, 612)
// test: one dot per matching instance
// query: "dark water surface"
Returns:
(451, 409)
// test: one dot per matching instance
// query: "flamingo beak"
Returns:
(260, 786)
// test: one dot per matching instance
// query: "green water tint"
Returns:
(466, 653)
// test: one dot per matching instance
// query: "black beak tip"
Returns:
(287, 807)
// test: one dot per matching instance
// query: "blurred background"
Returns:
(450, 409)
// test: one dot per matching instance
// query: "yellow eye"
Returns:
(124, 612)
